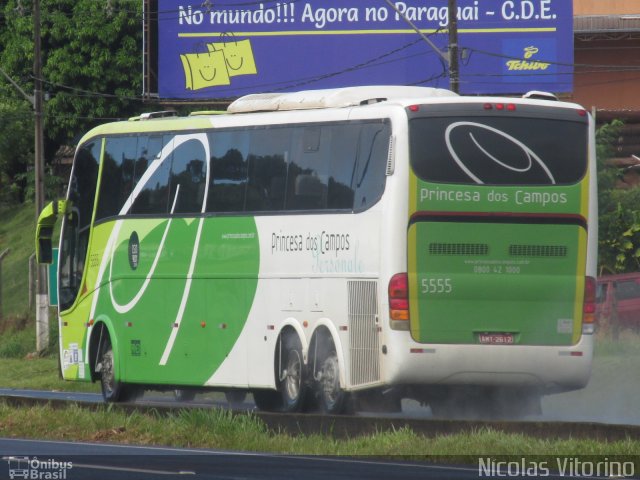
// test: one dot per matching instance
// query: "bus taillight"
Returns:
(589, 305)
(399, 301)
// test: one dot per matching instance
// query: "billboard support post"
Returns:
(454, 70)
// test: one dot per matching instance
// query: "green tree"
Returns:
(91, 64)
(619, 211)
(94, 64)
(16, 148)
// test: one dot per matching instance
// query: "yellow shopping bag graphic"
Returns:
(202, 70)
(238, 55)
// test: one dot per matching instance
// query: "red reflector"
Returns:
(511, 107)
(343, 328)
(414, 108)
(271, 327)
(417, 350)
(582, 113)
(488, 106)
(499, 106)
(576, 354)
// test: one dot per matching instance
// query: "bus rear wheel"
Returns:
(290, 371)
(331, 397)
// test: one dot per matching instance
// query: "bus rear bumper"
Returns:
(546, 368)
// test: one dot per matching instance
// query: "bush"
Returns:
(17, 343)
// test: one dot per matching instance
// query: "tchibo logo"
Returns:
(527, 63)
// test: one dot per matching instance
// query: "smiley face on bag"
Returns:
(238, 56)
(204, 70)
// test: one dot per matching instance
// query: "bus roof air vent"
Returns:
(332, 98)
(207, 112)
(152, 115)
(538, 95)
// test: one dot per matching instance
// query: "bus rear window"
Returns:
(493, 150)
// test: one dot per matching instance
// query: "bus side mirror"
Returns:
(44, 230)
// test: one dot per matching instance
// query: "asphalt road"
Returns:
(80, 461)
(37, 459)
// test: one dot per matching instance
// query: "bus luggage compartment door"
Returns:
(496, 283)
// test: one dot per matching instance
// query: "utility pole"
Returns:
(42, 298)
(454, 67)
(452, 58)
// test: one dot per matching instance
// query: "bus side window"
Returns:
(228, 179)
(308, 169)
(188, 177)
(370, 176)
(268, 157)
(116, 181)
(342, 165)
(154, 196)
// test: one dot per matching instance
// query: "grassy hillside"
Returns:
(17, 321)
(17, 232)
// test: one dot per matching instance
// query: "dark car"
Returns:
(621, 292)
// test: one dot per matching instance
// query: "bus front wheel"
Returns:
(112, 389)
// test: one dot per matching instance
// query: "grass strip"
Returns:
(38, 374)
(221, 429)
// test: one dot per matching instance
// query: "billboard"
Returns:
(216, 50)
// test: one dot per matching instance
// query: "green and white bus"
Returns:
(375, 243)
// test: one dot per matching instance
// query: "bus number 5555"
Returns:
(437, 285)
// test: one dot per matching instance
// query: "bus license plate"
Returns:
(496, 338)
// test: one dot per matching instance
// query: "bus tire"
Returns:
(112, 389)
(290, 373)
(332, 399)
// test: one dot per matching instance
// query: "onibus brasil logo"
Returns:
(527, 63)
(34, 469)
